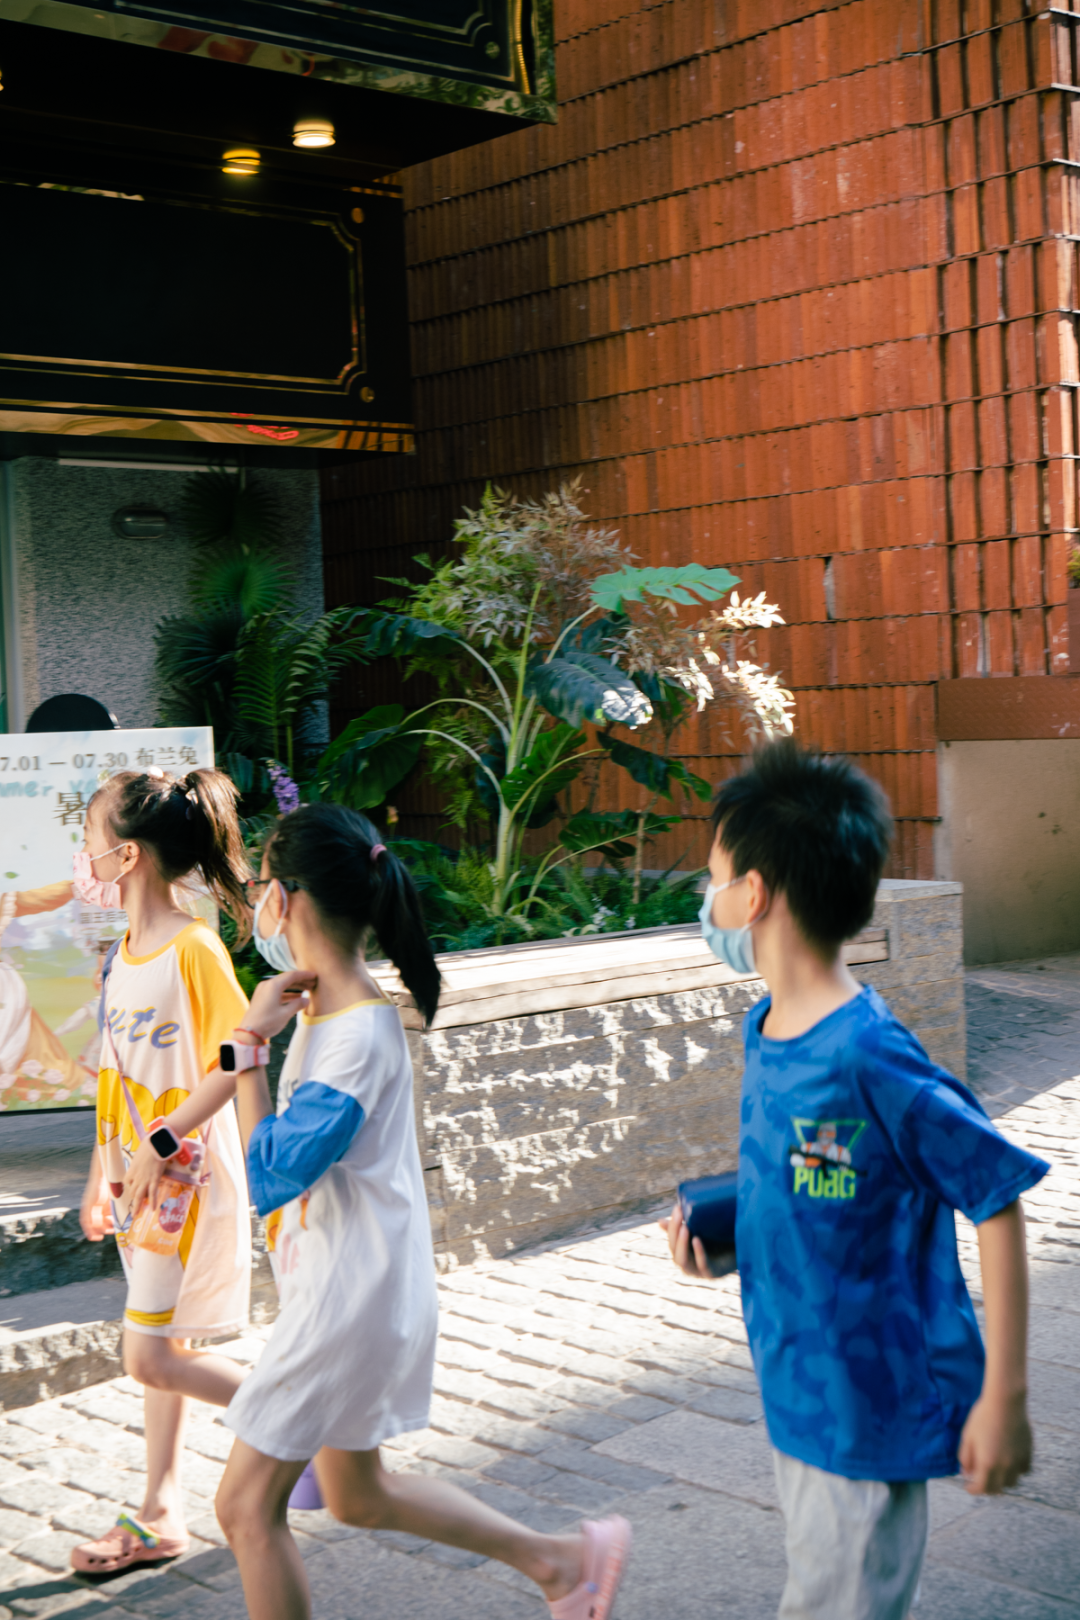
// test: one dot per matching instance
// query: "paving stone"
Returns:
(523, 1471)
(458, 1453)
(733, 1405)
(15, 1527)
(51, 1551)
(16, 1441)
(590, 1426)
(639, 1408)
(546, 1517)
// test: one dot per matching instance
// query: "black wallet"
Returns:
(708, 1208)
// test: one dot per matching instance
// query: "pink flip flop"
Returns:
(607, 1547)
(128, 1543)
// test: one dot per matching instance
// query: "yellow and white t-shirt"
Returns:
(168, 1014)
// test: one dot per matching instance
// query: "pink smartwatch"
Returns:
(237, 1056)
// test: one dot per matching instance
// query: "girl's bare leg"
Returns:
(170, 1372)
(163, 1507)
(358, 1490)
(252, 1503)
(171, 1365)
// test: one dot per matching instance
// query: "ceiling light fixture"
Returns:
(241, 160)
(310, 133)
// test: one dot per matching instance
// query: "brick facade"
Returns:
(793, 287)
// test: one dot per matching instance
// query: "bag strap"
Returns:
(106, 969)
(133, 1112)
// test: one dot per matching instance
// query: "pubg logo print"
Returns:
(823, 1158)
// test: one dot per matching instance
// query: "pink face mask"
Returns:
(91, 889)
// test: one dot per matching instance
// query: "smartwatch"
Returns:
(237, 1056)
(165, 1142)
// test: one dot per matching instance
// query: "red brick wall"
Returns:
(791, 286)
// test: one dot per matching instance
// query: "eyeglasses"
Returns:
(290, 885)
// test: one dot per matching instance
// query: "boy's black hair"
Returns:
(818, 830)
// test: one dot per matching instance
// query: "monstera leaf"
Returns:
(369, 759)
(691, 584)
(576, 686)
(654, 772)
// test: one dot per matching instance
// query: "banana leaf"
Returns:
(654, 772)
(368, 759)
(548, 767)
(577, 686)
(613, 832)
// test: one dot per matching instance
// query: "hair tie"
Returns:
(154, 770)
(377, 849)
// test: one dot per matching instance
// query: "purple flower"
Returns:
(285, 789)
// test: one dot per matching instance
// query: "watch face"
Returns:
(163, 1142)
(228, 1058)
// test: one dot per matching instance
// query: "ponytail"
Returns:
(189, 824)
(357, 885)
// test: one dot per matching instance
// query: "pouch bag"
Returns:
(708, 1208)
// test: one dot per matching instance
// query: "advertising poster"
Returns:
(52, 946)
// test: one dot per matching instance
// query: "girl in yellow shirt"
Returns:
(170, 999)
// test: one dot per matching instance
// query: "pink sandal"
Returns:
(126, 1544)
(607, 1547)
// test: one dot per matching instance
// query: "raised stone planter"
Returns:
(572, 1081)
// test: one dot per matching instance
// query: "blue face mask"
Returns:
(734, 946)
(274, 950)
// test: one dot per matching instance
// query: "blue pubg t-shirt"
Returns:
(854, 1151)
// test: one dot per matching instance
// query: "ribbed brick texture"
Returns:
(793, 287)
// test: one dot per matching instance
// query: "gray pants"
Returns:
(854, 1546)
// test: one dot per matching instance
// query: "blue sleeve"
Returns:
(952, 1148)
(287, 1153)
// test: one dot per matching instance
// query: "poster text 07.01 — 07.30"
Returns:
(52, 945)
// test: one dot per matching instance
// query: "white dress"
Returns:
(351, 1359)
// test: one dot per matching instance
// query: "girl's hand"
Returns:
(142, 1183)
(276, 1000)
(691, 1261)
(95, 1215)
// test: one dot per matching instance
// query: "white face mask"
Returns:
(275, 950)
(733, 946)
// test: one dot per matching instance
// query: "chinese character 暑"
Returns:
(70, 807)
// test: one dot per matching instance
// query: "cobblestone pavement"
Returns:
(588, 1377)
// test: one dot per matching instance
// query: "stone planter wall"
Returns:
(576, 1080)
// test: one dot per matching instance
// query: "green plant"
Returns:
(456, 890)
(541, 626)
(240, 660)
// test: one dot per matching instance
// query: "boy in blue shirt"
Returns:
(855, 1149)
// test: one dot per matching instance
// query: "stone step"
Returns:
(62, 1339)
(43, 1247)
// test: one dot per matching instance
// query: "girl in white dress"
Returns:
(351, 1358)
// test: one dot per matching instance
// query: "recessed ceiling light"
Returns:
(313, 132)
(241, 160)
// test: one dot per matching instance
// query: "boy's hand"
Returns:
(995, 1447)
(277, 1000)
(688, 1254)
